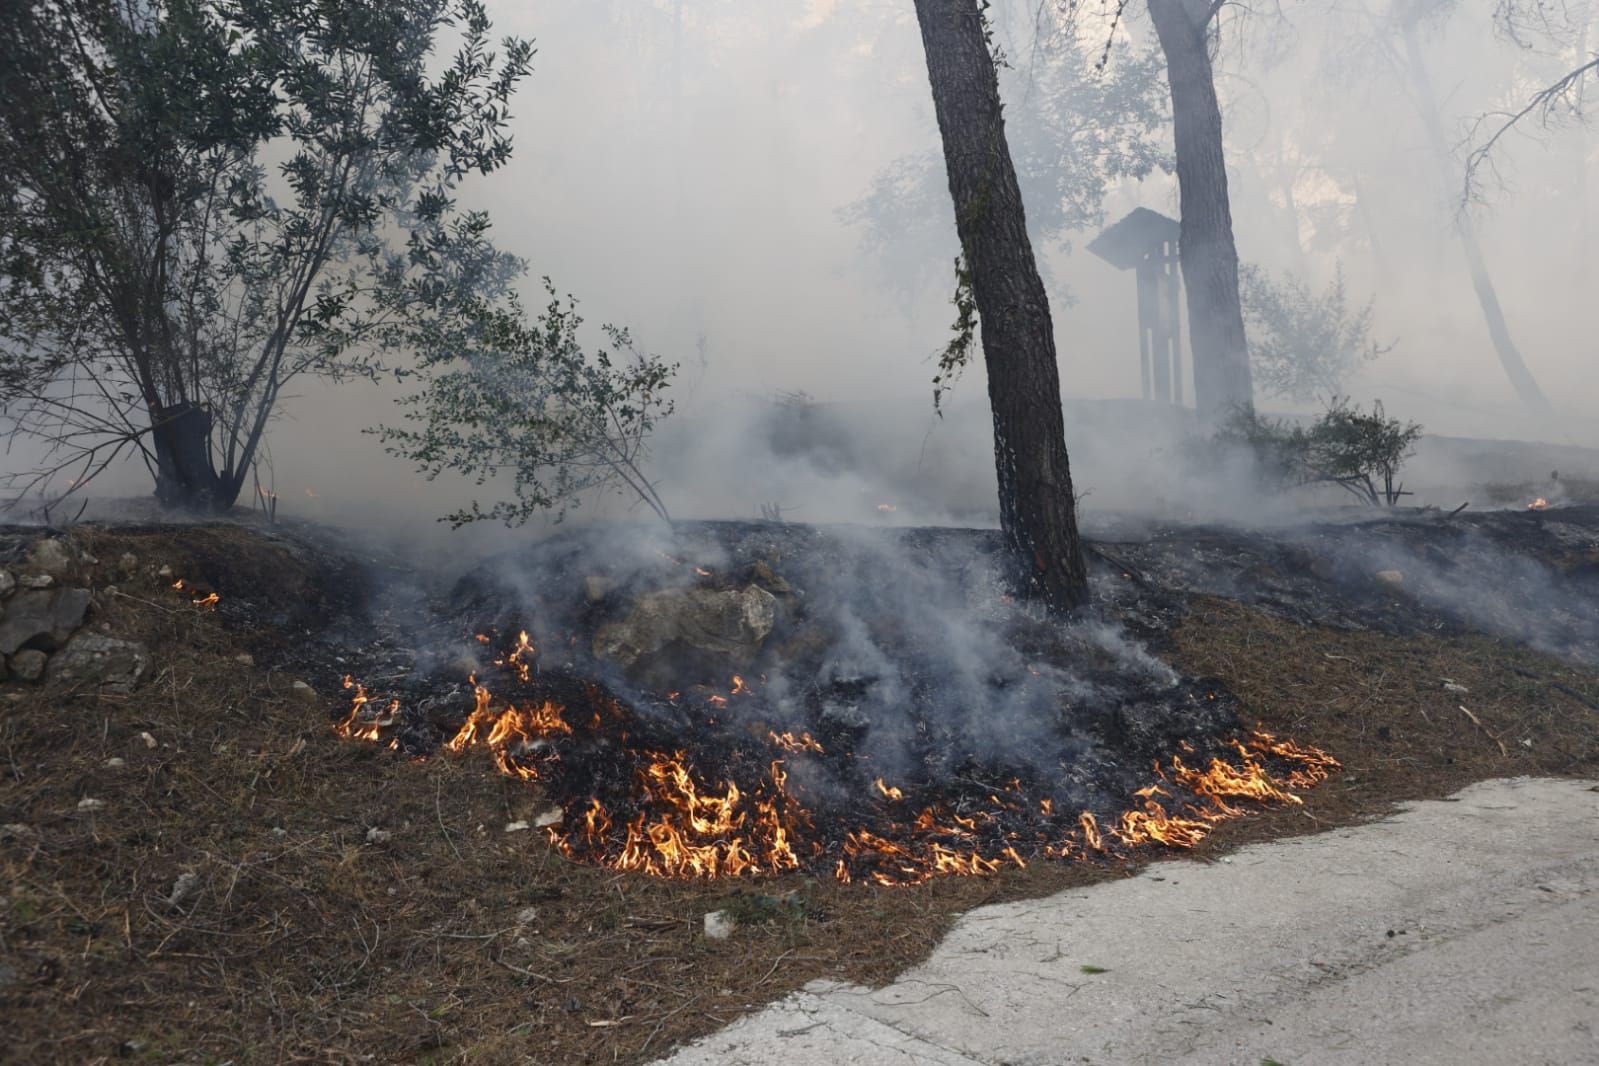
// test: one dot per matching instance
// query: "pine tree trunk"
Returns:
(1493, 314)
(1036, 503)
(1222, 380)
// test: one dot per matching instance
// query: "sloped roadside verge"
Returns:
(1459, 930)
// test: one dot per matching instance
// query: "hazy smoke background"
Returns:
(681, 168)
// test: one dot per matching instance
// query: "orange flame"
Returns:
(519, 657)
(677, 823)
(699, 831)
(362, 723)
(799, 742)
(199, 599)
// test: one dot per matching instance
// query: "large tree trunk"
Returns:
(1481, 281)
(184, 477)
(1222, 381)
(1036, 504)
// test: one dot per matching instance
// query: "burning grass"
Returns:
(307, 937)
(687, 790)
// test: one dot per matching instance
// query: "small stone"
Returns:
(149, 741)
(15, 831)
(7, 582)
(279, 832)
(1391, 577)
(165, 571)
(29, 664)
(303, 692)
(244, 658)
(1458, 690)
(377, 836)
(596, 589)
(719, 925)
(527, 916)
(182, 889)
(89, 803)
(128, 562)
(517, 827)
(550, 817)
(36, 581)
(116, 762)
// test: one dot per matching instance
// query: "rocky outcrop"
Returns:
(43, 610)
(723, 627)
(44, 618)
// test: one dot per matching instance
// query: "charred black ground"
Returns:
(894, 712)
(900, 698)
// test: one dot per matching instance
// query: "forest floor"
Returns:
(347, 905)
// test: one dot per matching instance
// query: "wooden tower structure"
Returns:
(1146, 242)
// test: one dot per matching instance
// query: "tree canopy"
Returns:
(201, 201)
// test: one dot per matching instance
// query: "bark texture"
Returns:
(1493, 314)
(1222, 380)
(185, 477)
(1036, 503)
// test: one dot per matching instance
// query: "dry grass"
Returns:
(1378, 703)
(452, 941)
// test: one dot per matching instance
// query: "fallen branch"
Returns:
(1478, 723)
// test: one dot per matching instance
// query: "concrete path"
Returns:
(1460, 931)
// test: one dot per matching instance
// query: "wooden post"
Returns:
(1174, 282)
(1149, 353)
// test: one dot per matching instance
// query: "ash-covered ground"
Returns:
(1528, 576)
(851, 685)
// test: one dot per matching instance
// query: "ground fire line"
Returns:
(698, 798)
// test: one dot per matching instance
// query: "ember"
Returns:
(635, 798)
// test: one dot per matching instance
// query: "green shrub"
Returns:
(1359, 451)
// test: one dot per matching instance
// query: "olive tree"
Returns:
(203, 200)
